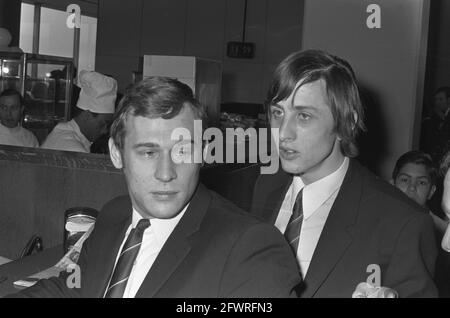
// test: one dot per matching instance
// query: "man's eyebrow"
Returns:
(410, 176)
(305, 107)
(146, 144)
(276, 105)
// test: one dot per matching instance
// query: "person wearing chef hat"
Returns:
(96, 106)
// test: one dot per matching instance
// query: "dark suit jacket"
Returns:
(216, 250)
(370, 222)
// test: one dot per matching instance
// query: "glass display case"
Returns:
(45, 82)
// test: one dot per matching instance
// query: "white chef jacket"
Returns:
(67, 136)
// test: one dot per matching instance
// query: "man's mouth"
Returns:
(164, 195)
(288, 153)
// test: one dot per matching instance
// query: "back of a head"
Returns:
(308, 66)
(154, 97)
(416, 157)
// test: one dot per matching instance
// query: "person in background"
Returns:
(100, 145)
(11, 112)
(436, 126)
(95, 109)
(340, 220)
(416, 175)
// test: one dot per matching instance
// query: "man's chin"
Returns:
(163, 211)
(291, 167)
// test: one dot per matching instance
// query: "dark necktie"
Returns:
(292, 232)
(130, 250)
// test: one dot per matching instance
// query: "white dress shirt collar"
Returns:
(162, 228)
(316, 193)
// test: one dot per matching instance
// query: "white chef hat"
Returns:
(98, 92)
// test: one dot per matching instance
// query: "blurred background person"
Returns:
(436, 126)
(100, 145)
(11, 112)
(94, 113)
(415, 174)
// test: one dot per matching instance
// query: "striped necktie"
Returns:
(128, 255)
(292, 232)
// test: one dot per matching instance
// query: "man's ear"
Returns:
(115, 154)
(432, 190)
(205, 151)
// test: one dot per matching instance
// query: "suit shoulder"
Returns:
(115, 208)
(388, 199)
(232, 218)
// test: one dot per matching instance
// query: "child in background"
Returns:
(416, 175)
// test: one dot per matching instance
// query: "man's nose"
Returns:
(412, 186)
(287, 130)
(165, 169)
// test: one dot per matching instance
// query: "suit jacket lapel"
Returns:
(116, 230)
(336, 235)
(270, 191)
(177, 246)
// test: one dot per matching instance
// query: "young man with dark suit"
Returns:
(171, 237)
(344, 225)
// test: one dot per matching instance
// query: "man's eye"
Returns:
(423, 183)
(403, 180)
(304, 116)
(150, 153)
(276, 113)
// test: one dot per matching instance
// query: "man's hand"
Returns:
(366, 290)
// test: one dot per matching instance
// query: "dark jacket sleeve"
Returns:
(57, 287)
(260, 265)
(411, 268)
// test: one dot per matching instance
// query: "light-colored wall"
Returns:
(389, 62)
(127, 30)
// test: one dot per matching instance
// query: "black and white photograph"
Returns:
(230, 151)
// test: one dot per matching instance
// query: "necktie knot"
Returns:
(142, 225)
